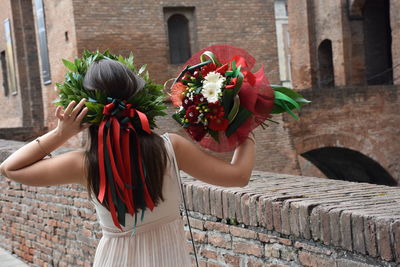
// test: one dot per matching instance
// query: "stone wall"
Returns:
(277, 220)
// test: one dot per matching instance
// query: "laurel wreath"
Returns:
(150, 100)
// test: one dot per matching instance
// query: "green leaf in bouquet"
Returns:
(227, 100)
(281, 107)
(241, 117)
(291, 93)
(177, 118)
(290, 111)
(209, 55)
(235, 109)
(285, 98)
(239, 83)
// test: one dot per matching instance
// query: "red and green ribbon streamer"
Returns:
(122, 171)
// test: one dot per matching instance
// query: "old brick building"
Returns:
(332, 59)
(345, 56)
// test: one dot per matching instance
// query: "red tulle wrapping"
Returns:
(259, 99)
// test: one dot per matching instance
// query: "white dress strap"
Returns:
(174, 162)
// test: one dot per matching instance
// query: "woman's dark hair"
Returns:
(118, 81)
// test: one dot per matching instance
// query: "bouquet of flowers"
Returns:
(219, 100)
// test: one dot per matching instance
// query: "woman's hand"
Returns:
(26, 165)
(70, 120)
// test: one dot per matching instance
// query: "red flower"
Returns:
(186, 103)
(218, 124)
(196, 131)
(208, 68)
(215, 111)
(198, 99)
(192, 114)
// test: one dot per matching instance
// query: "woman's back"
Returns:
(149, 243)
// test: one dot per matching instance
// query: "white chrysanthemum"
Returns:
(210, 91)
(214, 77)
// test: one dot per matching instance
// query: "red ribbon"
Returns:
(118, 148)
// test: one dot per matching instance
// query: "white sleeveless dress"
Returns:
(158, 241)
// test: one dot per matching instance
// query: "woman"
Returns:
(149, 242)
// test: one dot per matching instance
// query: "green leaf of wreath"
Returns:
(71, 66)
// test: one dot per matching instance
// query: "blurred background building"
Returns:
(344, 55)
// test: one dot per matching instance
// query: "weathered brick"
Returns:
(272, 251)
(221, 227)
(245, 233)
(209, 254)
(220, 240)
(276, 211)
(216, 199)
(345, 230)
(249, 247)
(206, 200)
(253, 214)
(395, 228)
(370, 237)
(312, 248)
(232, 260)
(255, 263)
(199, 237)
(357, 223)
(312, 260)
(195, 223)
(244, 208)
(274, 239)
(213, 264)
(383, 239)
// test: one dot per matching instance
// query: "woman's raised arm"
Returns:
(213, 170)
(27, 165)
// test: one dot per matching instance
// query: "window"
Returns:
(43, 51)
(9, 59)
(378, 42)
(180, 24)
(282, 34)
(326, 76)
(4, 77)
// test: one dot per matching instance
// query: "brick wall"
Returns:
(138, 26)
(361, 118)
(277, 220)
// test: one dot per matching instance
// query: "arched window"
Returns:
(326, 77)
(349, 165)
(378, 42)
(179, 39)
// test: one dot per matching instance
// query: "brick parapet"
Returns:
(297, 221)
(277, 220)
